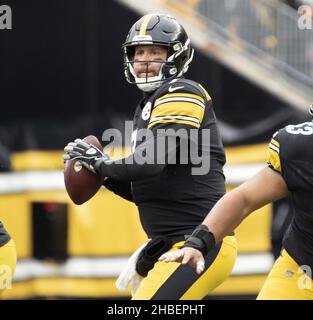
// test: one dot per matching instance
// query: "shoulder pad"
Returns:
(293, 140)
(182, 85)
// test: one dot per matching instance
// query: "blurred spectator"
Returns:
(297, 3)
(292, 3)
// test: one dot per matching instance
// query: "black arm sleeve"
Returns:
(143, 163)
(122, 189)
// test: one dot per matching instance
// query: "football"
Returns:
(80, 183)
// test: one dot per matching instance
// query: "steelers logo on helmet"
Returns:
(146, 111)
(162, 30)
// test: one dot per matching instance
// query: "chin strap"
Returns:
(148, 87)
(148, 84)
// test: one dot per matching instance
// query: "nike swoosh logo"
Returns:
(91, 151)
(171, 89)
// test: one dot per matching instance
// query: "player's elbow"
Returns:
(249, 204)
(243, 202)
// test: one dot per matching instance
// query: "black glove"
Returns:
(150, 254)
(85, 152)
(201, 239)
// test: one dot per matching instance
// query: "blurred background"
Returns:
(61, 77)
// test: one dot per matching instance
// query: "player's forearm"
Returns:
(227, 214)
(265, 187)
(145, 162)
(127, 169)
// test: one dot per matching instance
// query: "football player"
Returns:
(7, 259)
(171, 200)
(289, 172)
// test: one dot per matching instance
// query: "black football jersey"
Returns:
(291, 154)
(176, 200)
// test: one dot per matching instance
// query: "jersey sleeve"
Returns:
(273, 159)
(122, 189)
(291, 155)
(181, 105)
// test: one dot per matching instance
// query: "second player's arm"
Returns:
(265, 187)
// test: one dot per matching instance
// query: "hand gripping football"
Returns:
(80, 183)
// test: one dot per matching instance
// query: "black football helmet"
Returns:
(164, 30)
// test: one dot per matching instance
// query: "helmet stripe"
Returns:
(145, 22)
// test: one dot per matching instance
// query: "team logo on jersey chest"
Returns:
(146, 111)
